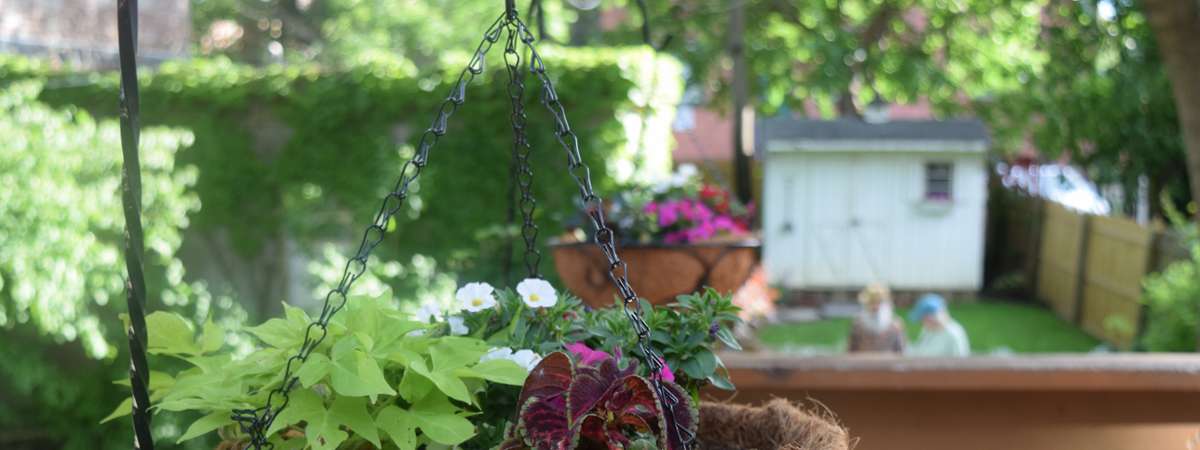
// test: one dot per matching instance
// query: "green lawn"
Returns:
(992, 326)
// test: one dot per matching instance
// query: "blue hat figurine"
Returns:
(926, 305)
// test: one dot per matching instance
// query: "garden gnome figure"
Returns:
(940, 335)
(876, 329)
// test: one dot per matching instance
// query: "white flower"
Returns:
(428, 311)
(537, 293)
(475, 297)
(524, 358)
(457, 327)
(496, 353)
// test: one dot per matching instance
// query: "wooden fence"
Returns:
(1086, 268)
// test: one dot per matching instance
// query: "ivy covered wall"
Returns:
(290, 157)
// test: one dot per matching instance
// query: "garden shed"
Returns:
(849, 202)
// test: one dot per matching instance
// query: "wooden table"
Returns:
(1044, 402)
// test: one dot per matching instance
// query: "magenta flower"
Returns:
(700, 232)
(586, 355)
(723, 223)
(676, 237)
(666, 373)
(697, 211)
(668, 214)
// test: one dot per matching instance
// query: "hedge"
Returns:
(308, 151)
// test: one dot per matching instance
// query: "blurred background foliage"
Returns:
(267, 153)
(61, 237)
(290, 157)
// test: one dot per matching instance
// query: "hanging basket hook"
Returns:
(510, 9)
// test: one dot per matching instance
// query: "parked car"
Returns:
(1057, 182)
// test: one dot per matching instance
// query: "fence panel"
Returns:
(1119, 253)
(1060, 258)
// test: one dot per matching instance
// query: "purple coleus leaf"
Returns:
(593, 405)
(543, 420)
(593, 382)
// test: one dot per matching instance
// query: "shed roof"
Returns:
(787, 133)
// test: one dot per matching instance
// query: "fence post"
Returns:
(1085, 231)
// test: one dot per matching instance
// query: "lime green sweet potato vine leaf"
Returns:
(377, 378)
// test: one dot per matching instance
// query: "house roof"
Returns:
(791, 134)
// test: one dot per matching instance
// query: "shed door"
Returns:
(849, 199)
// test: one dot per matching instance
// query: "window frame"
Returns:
(931, 193)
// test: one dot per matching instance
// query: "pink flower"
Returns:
(675, 237)
(695, 211)
(650, 208)
(586, 355)
(667, 214)
(723, 223)
(666, 373)
(704, 230)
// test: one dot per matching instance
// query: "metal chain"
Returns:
(255, 422)
(618, 270)
(521, 149)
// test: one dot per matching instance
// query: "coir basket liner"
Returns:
(779, 424)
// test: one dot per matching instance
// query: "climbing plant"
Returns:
(302, 151)
(61, 279)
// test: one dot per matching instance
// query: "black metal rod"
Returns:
(510, 9)
(131, 201)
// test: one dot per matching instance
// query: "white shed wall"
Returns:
(840, 220)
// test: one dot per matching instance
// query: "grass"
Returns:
(992, 327)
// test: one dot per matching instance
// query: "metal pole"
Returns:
(131, 200)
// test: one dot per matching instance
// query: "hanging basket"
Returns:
(662, 271)
(779, 424)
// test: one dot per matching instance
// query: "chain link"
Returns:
(618, 270)
(521, 148)
(255, 422)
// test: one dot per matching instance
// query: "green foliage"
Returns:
(306, 151)
(377, 377)
(61, 277)
(62, 228)
(686, 333)
(1104, 70)
(859, 50)
(1172, 297)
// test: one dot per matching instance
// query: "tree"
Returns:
(843, 54)
(1102, 97)
(341, 31)
(1176, 25)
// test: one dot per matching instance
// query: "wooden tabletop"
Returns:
(1161, 372)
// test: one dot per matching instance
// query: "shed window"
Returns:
(939, 178)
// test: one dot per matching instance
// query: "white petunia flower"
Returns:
(428, 311)
(475, 297)
(497, 353)
(537, 293)
(457, 327)
(524, 358)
